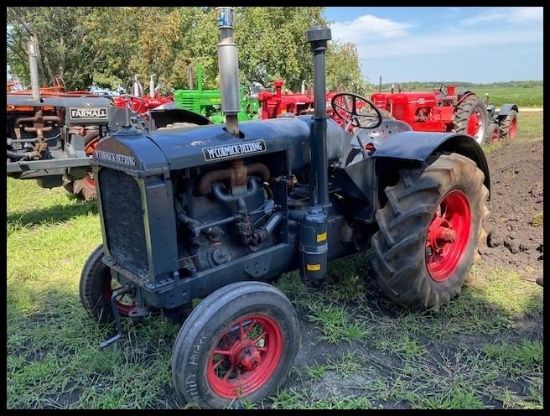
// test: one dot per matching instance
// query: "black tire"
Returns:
(410, 221)
(96, 287)
(214, 324)
(493, 133)
(508, 126)
(471, 117)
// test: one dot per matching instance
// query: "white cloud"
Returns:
(366, 26)
(507, 14)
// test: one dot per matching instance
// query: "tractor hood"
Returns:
(179, 148)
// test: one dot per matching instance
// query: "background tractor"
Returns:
(208, 102)
(217, 213)
(445, 110)
(51, 133)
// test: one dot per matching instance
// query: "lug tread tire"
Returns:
(399, 244)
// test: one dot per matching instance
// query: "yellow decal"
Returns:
(313, 267)
(321, 237)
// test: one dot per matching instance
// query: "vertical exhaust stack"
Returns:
(228, 69)
(33, 66)
(314, 223)
(318, 37)
(152, 86)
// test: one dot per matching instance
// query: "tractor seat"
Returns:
(371, 139)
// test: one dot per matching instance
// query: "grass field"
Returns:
(472, 359)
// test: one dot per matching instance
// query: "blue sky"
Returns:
(468, 44)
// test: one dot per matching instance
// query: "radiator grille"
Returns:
(123, 219)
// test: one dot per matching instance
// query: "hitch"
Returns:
(120, 333)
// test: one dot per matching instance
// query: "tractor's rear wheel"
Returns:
(509, 126)
(471, 118)
(429, 231)
(96, 288)
(239, 343)
(493, 133)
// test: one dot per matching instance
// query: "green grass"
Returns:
(481, 351)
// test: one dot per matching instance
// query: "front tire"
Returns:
(239, 343)
(429, 231)
(97, 286)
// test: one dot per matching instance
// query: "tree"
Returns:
(61, 51)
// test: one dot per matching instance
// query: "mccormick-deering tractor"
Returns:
(443, 110)
(216, 213)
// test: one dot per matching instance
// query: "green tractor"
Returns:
(208, 102)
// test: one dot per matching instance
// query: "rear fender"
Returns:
(419, 146)
(505, 110)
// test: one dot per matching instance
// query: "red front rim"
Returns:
(448, 236)
(513, 128)
(124, 305)
(245, 356)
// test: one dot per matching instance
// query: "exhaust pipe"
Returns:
(318, 37)
(33, 66)
(228, 63)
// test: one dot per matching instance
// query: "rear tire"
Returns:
(509, 126)
(429, 231)
(471, 118)
(239, 343)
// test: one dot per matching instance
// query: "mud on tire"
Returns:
(418, 264)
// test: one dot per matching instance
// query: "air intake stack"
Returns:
(229, 70)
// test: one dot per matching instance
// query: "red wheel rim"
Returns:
(89, 149)
(245, 356)
(513, 128)
(448, 236)
(123, 305)
(474, 124)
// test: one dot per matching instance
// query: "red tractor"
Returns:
(279, 103)
(443, 110)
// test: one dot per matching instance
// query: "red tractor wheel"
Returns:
(471, 118)
(239, 343)
(96, 288)
(429, 231)
(493, 133)
(509, 126)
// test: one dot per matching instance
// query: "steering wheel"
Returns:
(356, 110)
(440, 89)
(136, 95)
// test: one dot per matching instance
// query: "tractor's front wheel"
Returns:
(471, 117)
(509, 126)
(96, 288)
(429, 231)
(239, 343)
(493, 133)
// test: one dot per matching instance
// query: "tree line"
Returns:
(108, 46)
